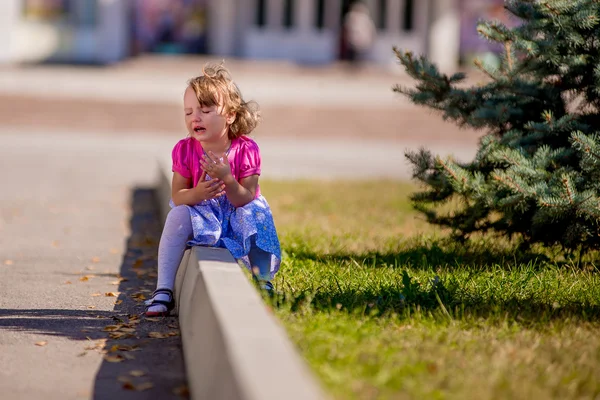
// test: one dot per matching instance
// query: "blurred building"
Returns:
(304, 31)
(309, 31)
(471, 44)
(80, 31)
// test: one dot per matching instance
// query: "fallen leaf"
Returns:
(8, 262)
(118, 302)
(122, 347)
(67, 282)
(128, 386)
(96, 294)
(174, 326)
(43, 343)
(182, 391)
(111, 294)
(173, 333)
(114, 359)
(112, 328)
(138, 297)
(144, 386)
(137, 373)
(119, 335)
(153, 319)
(85, 278)
(137, 264)
(157, 335)
(95, 259)
(91, 307)
(127, 330)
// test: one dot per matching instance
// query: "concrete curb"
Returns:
(233, 348)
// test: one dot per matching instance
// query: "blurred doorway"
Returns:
(170, 26)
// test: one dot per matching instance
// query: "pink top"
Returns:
(243, 156)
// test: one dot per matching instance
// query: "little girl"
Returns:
(216, 198)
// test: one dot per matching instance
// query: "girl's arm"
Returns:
(182, 194)
(242, 192)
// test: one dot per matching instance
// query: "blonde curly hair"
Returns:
(216, 88)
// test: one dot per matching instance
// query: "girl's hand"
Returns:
(216, 167)
(209, 189)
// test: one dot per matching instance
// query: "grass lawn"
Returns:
(384, 306)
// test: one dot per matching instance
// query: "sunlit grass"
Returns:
(384, 306)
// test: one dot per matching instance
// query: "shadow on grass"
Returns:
(434, 254)
(450, 298)
(444, 301)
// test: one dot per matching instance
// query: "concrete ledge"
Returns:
(233, 347)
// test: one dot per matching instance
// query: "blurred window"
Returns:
(79, 13)
(381, 15)
(320, 14)
(408, 19)
(261, 13)
(288, 13)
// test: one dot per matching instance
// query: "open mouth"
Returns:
(199, 129)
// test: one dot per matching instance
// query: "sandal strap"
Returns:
(163, 290)
(163, 302)
(168, 303)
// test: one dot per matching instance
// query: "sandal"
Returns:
(170, 304)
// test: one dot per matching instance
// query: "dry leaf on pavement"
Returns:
(111, 294)
(182, 391)
(157, 335)
(43, 343)
(112, 328)
(119, 335)
(114, 359)
(137, 373)
(138, 297)
(144, 386)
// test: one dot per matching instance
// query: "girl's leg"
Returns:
(176, 233)
(260, 261)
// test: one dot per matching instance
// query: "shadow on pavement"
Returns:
(72, 324)
(144, 358)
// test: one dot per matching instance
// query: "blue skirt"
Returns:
(217, 223)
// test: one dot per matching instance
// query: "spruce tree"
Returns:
(536, 174)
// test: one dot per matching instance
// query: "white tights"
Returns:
(173, 242)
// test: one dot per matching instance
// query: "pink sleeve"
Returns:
(180, 156)
(249, 160)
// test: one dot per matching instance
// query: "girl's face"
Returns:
(205, 123)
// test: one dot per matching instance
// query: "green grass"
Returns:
(384, 306)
